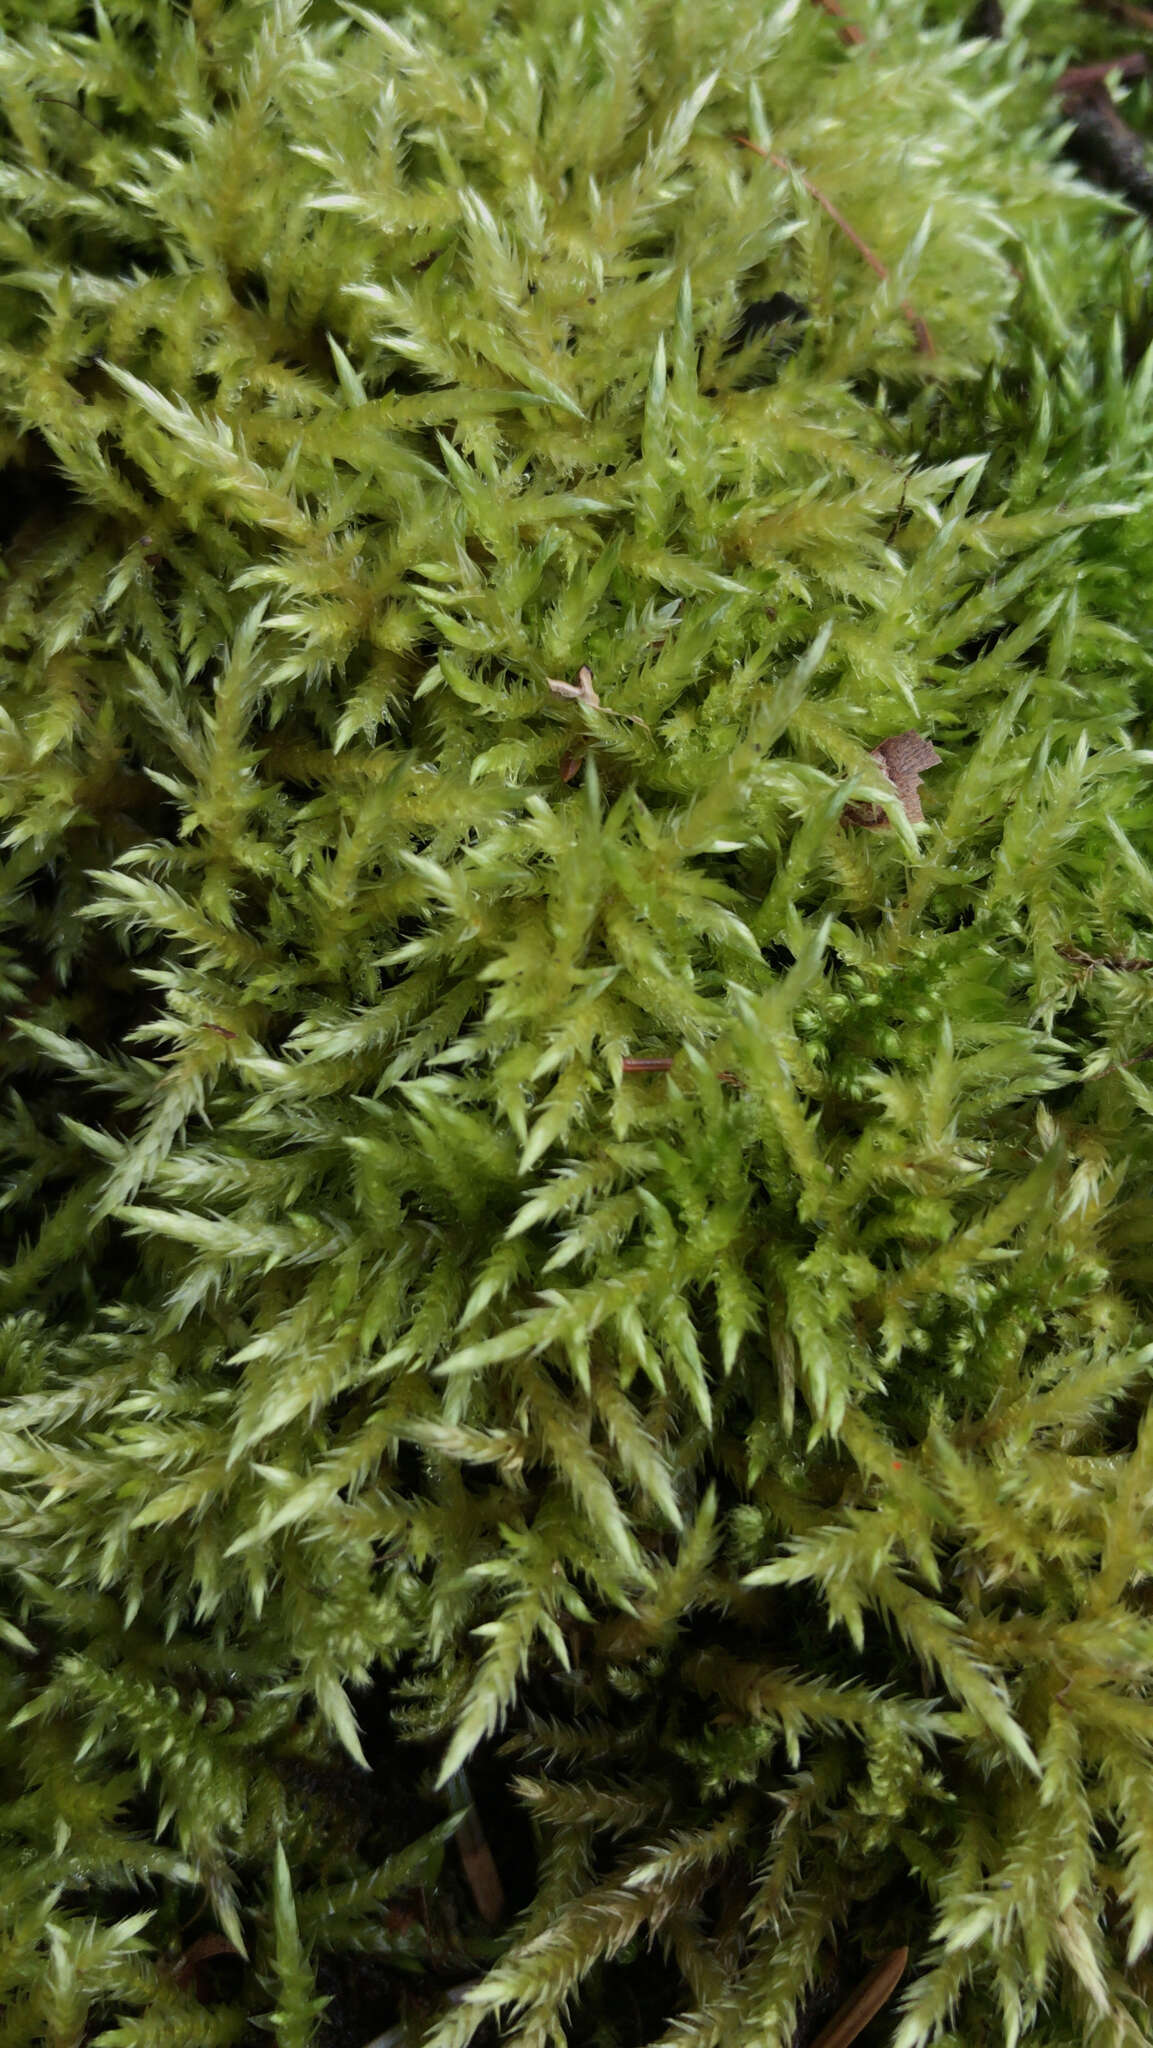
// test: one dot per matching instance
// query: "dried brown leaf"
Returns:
(866, 2001)
(480, 1868)
(203, 1950)
(903, 759)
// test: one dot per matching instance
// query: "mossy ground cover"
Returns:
(568, 1220)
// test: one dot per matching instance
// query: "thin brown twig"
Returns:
(918, 325)
(1083, 77)
(868, 1998)
(894, 529)
(58, 101)
(1120, 963)
(1136, 1060)
(848, 31)
(1122, 10)
(664, 1065)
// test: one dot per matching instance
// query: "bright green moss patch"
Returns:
(566, 1216)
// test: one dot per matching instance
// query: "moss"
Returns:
(556, 1227)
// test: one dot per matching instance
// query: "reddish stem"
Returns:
(918, 325)
(848, 31)
(664, 1066)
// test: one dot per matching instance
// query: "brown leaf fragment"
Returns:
(903, 759)
(203, 1950)
(582, 689)
(854, 2016)
(480, 1868)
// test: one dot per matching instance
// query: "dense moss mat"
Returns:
(564, 1231)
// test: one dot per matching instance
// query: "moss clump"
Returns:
(547, 1208)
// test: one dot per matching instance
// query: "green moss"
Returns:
(758, 1442)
